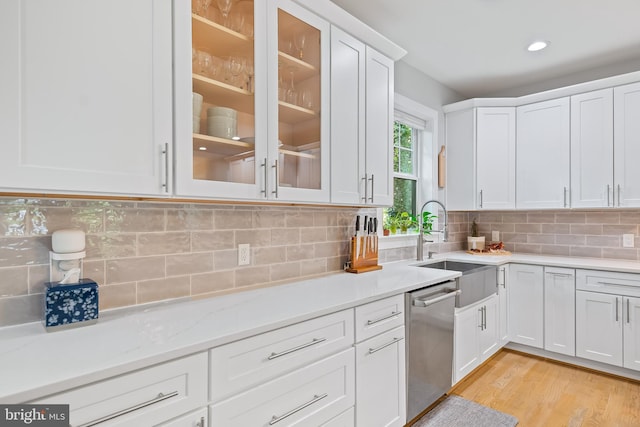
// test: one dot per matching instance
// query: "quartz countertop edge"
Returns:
(35, 363)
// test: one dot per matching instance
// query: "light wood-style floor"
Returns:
(548, 394)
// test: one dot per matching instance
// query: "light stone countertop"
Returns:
(34, 363)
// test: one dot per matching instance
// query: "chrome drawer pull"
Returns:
(316, 398)
(158, 399)
(165, 155)
(393, 314)
(561, 274)
(616, 309)
(300, 347)
(395, 340)
(619, 284)
(628, 319)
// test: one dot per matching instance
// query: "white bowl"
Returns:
(222, 112)
(196, 124)
(222, 131)
(197, 104)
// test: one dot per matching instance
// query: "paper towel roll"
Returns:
(67, 241)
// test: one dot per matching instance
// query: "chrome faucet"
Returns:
(445, 233)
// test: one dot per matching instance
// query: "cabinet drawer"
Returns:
(379, 316)
(345, 419)
(145, 397)
(192, 419)
(307, 397)
(242, 364)
(608, 282)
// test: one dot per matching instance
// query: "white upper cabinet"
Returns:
(361, 122)
(481, 158)
(627, 145)
(496, 158)
(542, 159)
(262, 132)
(86, 101)
(592, 149)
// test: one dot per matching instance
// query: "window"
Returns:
(413, 169)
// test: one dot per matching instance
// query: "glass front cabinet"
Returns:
(251, 107)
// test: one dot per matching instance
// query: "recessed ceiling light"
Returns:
(202, 148)
(537, 45)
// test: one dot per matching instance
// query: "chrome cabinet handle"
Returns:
(565, 197)
(608, 193)
(294, 349)
(380, 319)
(371, 179)
(503, 282)
(316, 398)
(165, 154)
(393, 341)
(425, 303)
(616, 309)
(366, 193)
(200, 423)
(266, 177)
(481, 198)
(484, 317)
(134, 408)
(628, 315)
(619, 190)
(561, 274)
(481, 320)
(275, 166)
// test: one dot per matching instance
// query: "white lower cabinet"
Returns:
(608, 317)
(380, 363)
(381, 380)
(197, 418)
(146, 397)
(475, 336)
(526, 304)
(345, 419)
(308, 396)
(560, 310)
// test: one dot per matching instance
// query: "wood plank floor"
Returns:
(547, 394)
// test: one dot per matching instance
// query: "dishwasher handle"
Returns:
(425, 302)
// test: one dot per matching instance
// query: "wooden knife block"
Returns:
(364, 254)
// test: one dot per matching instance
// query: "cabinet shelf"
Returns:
(227, 42)
(289, 113)
(219, 93)
(301, 70)
(217, 145)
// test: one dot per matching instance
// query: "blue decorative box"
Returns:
(70, 305)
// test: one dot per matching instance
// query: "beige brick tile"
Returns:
(298, 219)
(248, 276)
(202, 241)
(300, 252)
(256, 238)
(284, 271)
(189, 219)
(318, 234)
(603, 218)
(134, 269)
(514, 218)
(610, 230)
(544, 239)
(602, 241)
(326, 218)
(528, 248)
(47, 220)
(318, 266)
(225, 260)
(192, 263)
(14, 281)
(528, 228)
(269, 219)
(556, 228)
(13, 220)
(571, 218)
(39, 274)
(134, 220)
(94, 270)
(585, 251)
(111, 245)
(571, 239)
(540, 218)
(162, 289)
(164, 243)
(212, 282)
(592, 229)
(620, 253)
(114, 296)
(285, 236)
(19, 251)
(270, 255)
(559, 250)
(233, 219)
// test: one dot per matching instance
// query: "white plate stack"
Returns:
(222, 122)
(197, 109)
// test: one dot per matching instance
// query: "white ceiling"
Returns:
(478, 47)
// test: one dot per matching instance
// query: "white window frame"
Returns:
(405, 109)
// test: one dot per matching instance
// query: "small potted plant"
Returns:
(405, 221)
(475, 242)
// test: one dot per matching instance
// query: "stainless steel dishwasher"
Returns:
(429, 329)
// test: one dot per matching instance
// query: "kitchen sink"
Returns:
(477, 282)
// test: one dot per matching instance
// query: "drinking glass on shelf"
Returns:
(225, 8)
(282, 89)
(250, 72)
(292, 95)
(236, 22)
(204, 62)
(201, 7)
(235, 67)
(299, 41)
(306, 100)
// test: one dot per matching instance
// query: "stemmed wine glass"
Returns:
(292, 95)
(202, 6)
(225, 8)
(299, 41)
(249, 70)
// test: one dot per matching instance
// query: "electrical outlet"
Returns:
(244, 254)
(628, 241)
(495, 236)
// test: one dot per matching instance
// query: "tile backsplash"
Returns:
(140, 252)
(586, 233)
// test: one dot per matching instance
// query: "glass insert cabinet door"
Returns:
(223, 90)
(299, 49)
